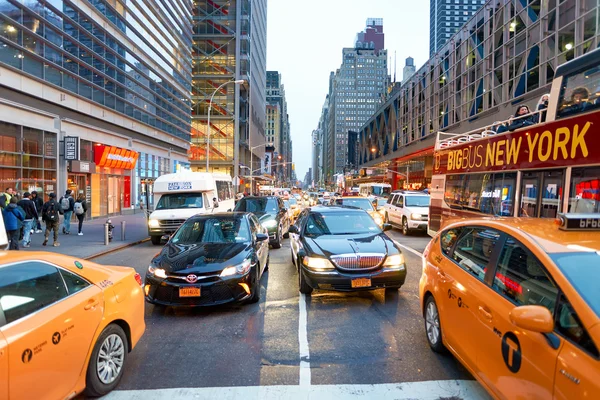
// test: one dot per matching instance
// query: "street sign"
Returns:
(236, 181)
(71, 148)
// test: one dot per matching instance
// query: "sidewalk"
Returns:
(92, 241)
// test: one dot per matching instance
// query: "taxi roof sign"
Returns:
(578, 222)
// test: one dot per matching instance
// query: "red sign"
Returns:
(115, 157)
(571, 141)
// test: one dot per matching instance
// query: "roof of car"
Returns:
(545, 232)
(221, 214)
(333, 209)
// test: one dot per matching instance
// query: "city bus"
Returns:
(375, 189)
(536, 171)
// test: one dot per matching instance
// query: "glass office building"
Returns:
(448, 16)
(111, 76)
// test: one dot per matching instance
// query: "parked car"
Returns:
(407, 210)
(342, 248)
(271, 213)
(212, 259)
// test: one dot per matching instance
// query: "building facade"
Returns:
(356, 90)
(95, 97)
(446, 17)
(277, 128)
(504, 56)
(229, 43)
(409, 69)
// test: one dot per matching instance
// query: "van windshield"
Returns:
(180, 200)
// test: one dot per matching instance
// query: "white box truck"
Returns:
(179, 196)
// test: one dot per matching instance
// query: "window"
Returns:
(522, 279)
(448, 238)
(578, 93)
(568, 324)
(474, 250)
(487, 193)
(74, 283)
(28, 287)
(400, 201)
(224, 190)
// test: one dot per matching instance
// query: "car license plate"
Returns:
(361, 282)
(189, 292)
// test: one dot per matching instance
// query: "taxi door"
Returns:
(3, 367)
(514, 362)
(460, 283)
(51, 334)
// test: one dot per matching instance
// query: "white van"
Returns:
(179, 196)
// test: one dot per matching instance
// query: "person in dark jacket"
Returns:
(31, 216)
(12, 215)
(51, 215)
(522, 118)
(66, 203)
(80, 208)
(39, 203)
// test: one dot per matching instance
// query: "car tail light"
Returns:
(138, 279)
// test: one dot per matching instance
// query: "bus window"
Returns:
(580, 93)
(541, 192)
(585, 190)
(487, 193)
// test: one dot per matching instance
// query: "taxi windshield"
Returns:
(583, 271)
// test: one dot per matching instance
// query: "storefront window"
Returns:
(86, 150)
(32, 141)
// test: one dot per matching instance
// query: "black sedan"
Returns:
(341, 248)
(271, 213)
(211, 259)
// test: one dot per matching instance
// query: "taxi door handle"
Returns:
(485, 313)
(442, 274)
(92, 303)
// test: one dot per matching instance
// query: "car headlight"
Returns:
(378, 219)
(153, 223)
(395, 261)
(270, 223)
(240, 269)
(415, 216)
(317, 264)
(157, 272)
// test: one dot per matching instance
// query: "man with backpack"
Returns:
(31, 216)
(80, 208)
(66, 204)
(51, 215)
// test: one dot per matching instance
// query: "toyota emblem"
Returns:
(191, 278)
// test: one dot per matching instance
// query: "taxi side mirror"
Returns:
(533, 318)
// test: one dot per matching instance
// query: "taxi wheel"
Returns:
(304, 286)
(433, 328)
(107, 361)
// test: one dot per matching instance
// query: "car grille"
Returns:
(358, 262)
(171, 223)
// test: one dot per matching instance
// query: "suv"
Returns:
(408, 210)
(271, 213)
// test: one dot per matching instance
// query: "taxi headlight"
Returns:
(415, 216)
(153, 223)
(378, 219)
(270, 223)
(317, 264)
(240, 269)
(157, 272)
(395, 261)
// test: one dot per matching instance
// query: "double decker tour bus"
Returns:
(535, 171)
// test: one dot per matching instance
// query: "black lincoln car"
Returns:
(211, 259)
(271, 213)
(342, 248)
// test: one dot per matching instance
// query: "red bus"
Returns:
(535, 171)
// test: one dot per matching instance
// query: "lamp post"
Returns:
(237, 82)
(251, 165)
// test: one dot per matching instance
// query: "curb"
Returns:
(115, 249)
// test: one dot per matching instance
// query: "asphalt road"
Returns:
(363, 338)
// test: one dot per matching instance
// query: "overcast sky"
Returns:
(305, 40)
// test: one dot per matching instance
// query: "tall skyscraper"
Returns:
(95, 97)
(277, 128)
(356, 89)
(229, 44)
(409, 69)
(446, 17)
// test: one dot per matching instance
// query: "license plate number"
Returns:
(189, 292)
(361, 282)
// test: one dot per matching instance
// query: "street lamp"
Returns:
(237, 82)
(252, 164)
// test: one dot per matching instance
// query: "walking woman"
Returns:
(80, 208)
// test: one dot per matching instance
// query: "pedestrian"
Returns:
(39, 203)
(80, 208)
(5, 197)
(542, 106)
(31, 216)
(51, 216)
(66, 204)
(12, 216)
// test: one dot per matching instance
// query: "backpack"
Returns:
(51, 213)
(78, 208)
(65, 203)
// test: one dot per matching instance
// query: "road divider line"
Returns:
(415, 252)
(303, 343)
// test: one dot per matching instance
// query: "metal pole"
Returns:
(106, 234)
(123, 230)
(208, 130)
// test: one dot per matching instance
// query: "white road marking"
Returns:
(415, 252)
(303, 343)
(429, 390)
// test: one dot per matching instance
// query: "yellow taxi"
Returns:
(65, 325)
(517, 301)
